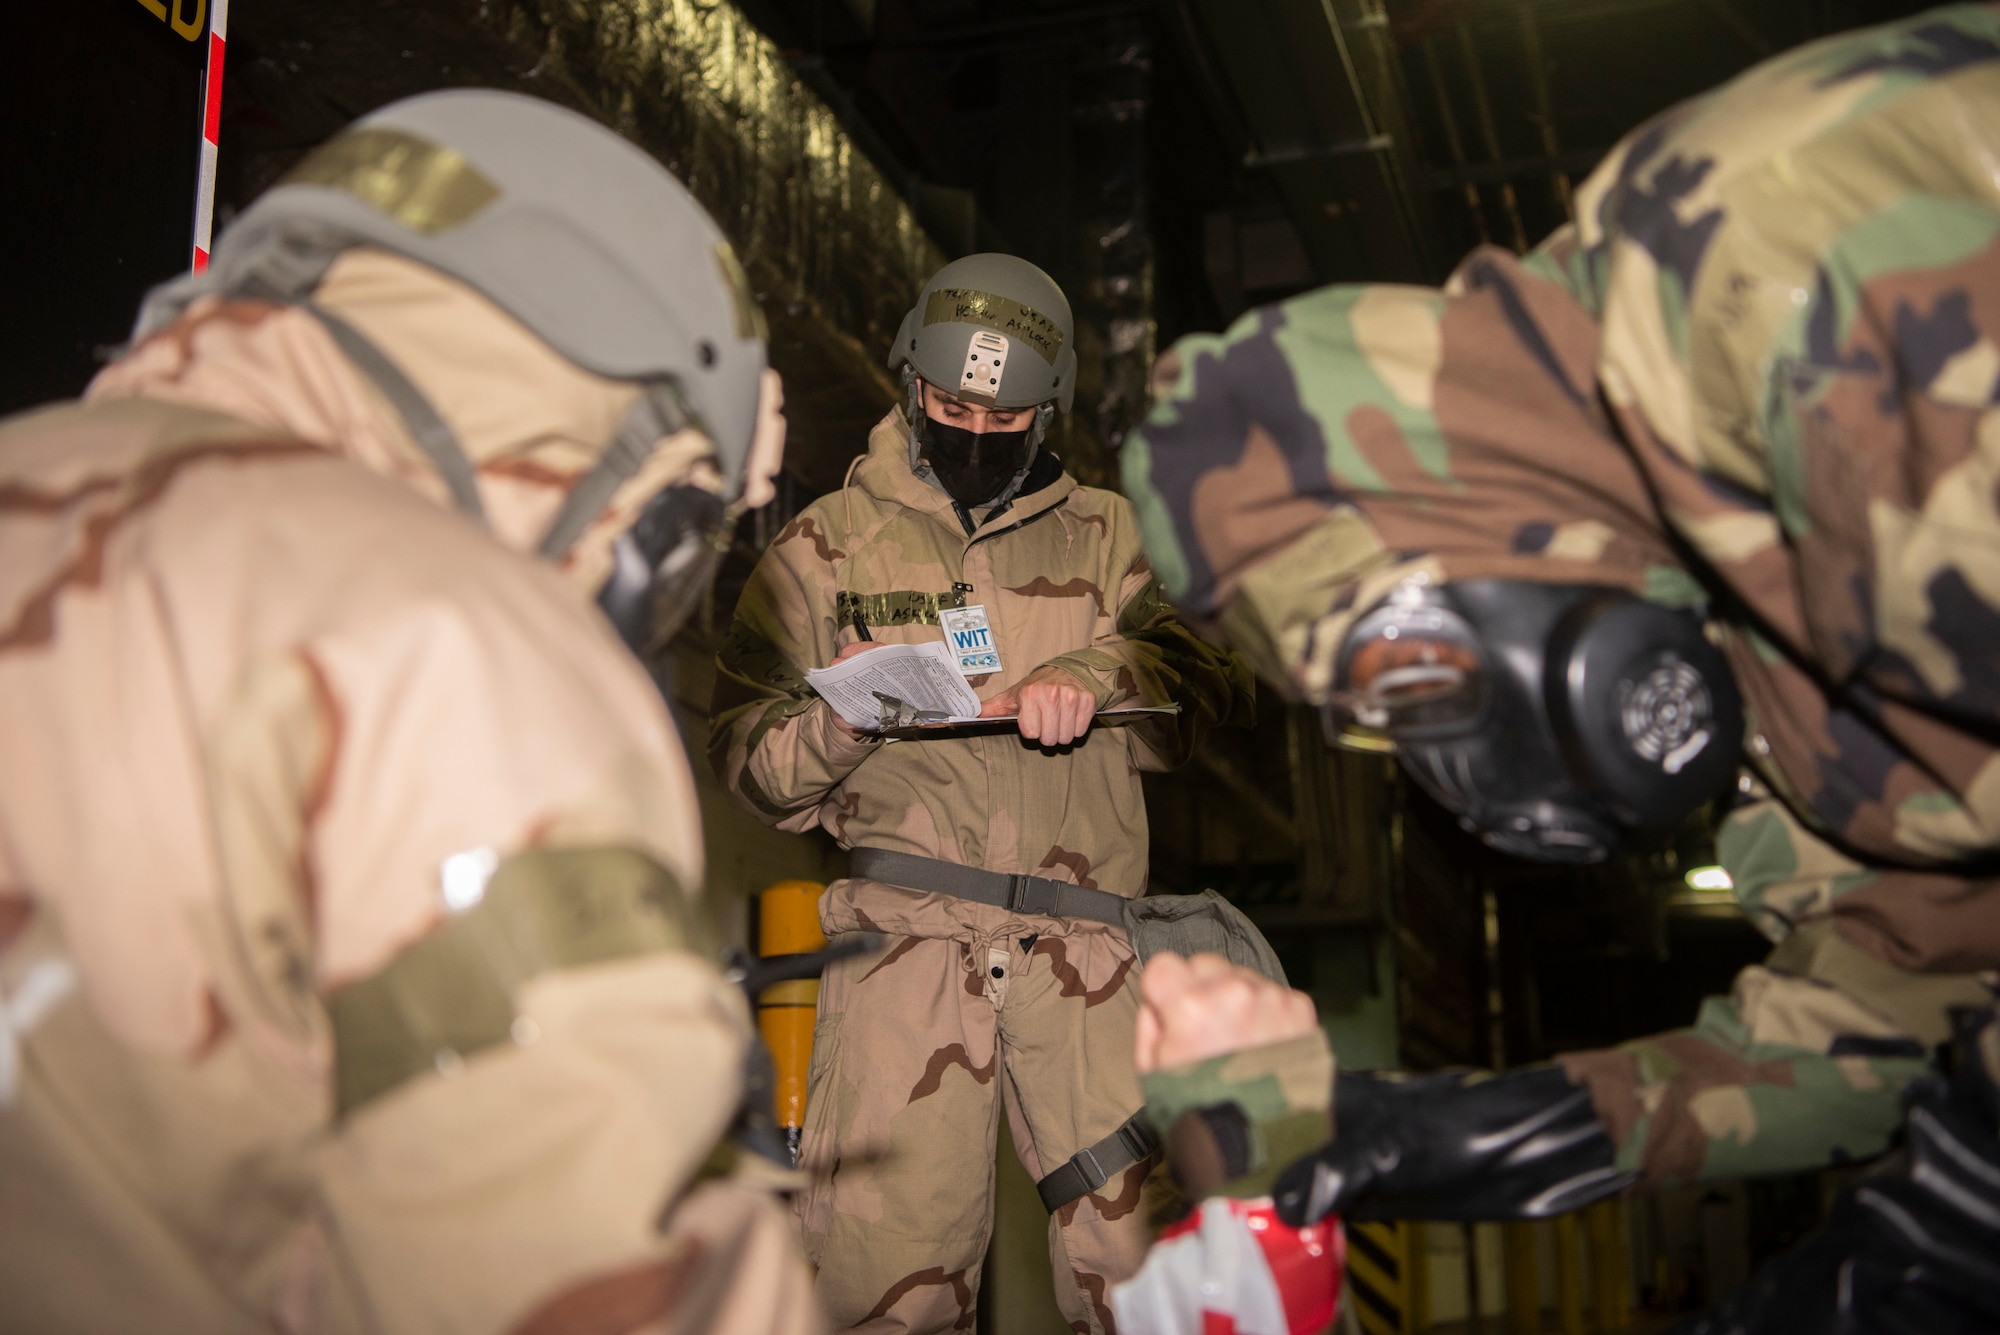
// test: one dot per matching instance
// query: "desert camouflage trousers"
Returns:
(912, 1052)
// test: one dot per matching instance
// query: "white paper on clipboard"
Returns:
(924, 677)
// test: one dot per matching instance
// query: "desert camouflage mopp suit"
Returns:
(351, 972)
(1762, 372)
(274, 718)
(972, 1004)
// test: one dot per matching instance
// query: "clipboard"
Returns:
(1121, 716)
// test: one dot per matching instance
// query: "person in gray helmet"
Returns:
(999, 859)
(351, 971)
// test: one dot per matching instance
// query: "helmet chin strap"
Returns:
(1044, 412)
(660, 567)
(658, 413)
(432, 435)
(913, 410)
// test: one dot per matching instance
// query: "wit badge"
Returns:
(970, 637)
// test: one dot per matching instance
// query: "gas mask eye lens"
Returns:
(1407, 666)
(662, 565)
(1400, 688)
(1406, 677)
(1396, 698)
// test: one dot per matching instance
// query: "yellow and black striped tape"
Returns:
(1379, 1277)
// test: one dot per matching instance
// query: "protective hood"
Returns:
(1760, 371)
(531, 423)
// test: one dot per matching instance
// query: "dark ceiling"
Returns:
(1288, 142)
(1169, 161)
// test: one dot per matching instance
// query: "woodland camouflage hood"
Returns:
(1760, 374)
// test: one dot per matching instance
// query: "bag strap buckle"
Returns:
(1089, 1169)
(1136, 1135)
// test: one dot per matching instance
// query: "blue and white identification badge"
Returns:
(970, 637)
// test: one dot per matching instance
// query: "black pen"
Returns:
(861, 627)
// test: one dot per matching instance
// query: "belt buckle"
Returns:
(1031, 894)
(1092, 1172)
(1138, 1140)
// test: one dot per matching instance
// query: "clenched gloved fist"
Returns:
(1457, 1145)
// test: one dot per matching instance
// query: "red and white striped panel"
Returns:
(211, 128)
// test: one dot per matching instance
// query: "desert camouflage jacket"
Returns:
(348, 862)
(1760, 375)
(1063, 582)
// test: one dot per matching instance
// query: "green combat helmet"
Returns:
(574, 232)
(570, 229)
(994, 330)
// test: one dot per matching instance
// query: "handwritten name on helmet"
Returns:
(965, 305)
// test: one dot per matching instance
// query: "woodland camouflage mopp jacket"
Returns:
(1762, 372)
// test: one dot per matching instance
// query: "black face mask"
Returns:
(1551, 719)
(973, 467)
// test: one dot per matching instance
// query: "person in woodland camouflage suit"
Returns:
(352, 970)
(1756, 380)
(998, 861)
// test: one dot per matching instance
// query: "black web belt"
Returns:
(1016, 893)
(1090, 1168)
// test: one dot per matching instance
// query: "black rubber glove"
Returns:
(1911, 1252)
(1458, 1145)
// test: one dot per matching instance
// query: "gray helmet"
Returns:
(572, 230)
(993, 329)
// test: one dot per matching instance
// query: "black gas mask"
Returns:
(973, 467)
(1553, 720)
(663, 565)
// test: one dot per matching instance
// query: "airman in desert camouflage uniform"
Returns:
(352, 973)
(1758, 379)
(975, 1002)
